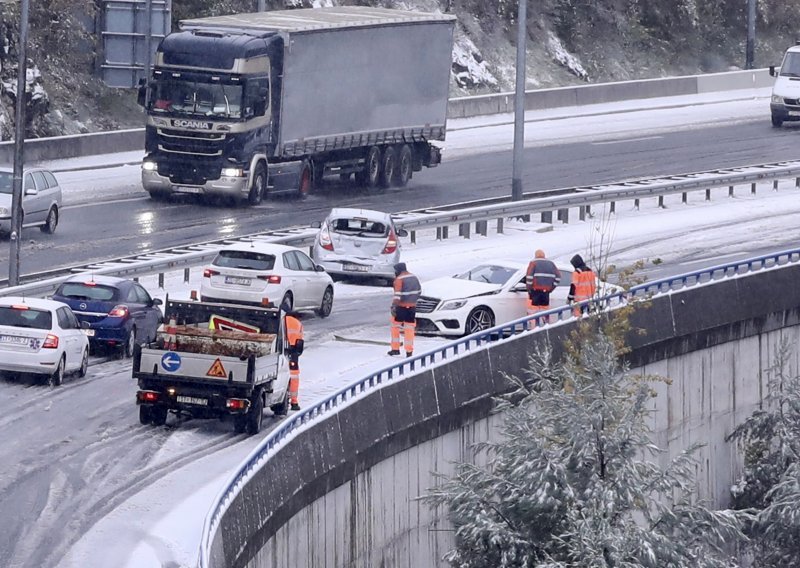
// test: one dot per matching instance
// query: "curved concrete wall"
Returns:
(342, 493)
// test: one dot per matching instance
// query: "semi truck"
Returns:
(214, 360)
(246, 105)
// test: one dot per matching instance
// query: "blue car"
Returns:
(120, 312)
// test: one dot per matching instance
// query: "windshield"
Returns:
(6, 181)
(81, 291)
(360, 227)
(791, 65)
(244, 259)
(28, 317)
(488, 273)
(192, 98)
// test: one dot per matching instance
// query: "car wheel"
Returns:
(259, 187)
(84, 364)
(256, 415)
(51, 222)
(327, 303)
(777, 121)
(57, 378)
(145, 416)
(479, 319)
(287, 303)
(158, 415)
(130, 342)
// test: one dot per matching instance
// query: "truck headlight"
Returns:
(777, 99)
(5, 212)
(149, 166)
(232, 172)
(453, 305)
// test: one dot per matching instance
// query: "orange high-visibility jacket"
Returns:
(585, 284)
(407, 290)
(294, 334)
(542, 275)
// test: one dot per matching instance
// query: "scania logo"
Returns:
(192, 124)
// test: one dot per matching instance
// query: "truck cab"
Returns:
(785, 101)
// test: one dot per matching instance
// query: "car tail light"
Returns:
(19, 307)
(271, 278)
(147, 396)
(119, 312)
(325, 238)
(50, 342)
(90, 283)
(208, 273)
(237, 404)
(391, 243)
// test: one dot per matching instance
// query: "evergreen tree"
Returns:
(572, 483)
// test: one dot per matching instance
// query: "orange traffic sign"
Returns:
(217, 370)
(226, 324)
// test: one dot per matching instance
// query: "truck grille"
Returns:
(190, 143)
(426, 304)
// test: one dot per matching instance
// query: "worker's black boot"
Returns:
(409, 353)
(394, 352)
(295, 406)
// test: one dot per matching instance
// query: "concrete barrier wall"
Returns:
(61, 147)
(342, 493)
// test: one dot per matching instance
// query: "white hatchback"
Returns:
(261, 273)
(41, 337)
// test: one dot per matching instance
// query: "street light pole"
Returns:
(19, 141)
(519, 102)
(750, 53)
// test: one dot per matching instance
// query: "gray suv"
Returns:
(41, 199)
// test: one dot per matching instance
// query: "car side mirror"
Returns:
(31, 191)
(316, 225)
(519, 287)
(402, 233)
(85, 325)
(319, 268)
(156, 302)
(771, 70)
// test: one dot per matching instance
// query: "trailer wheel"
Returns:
(305, 182)
(158, 415)
(370, 176)
(387, 167)
(405, 166)
(259, 187)
(256, 415)
(145, 416)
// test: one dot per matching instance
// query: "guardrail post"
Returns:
(684, 197)
(464, 230)
(775, 185)
(547, 217)
(482, 227)
(413, 237)
(636, 204)
(661, 202)
(582, 212)
(730, 191)
(753, 188)
(797, 182)
(708, 195)
(186, 275)
(442, 233)
(500, 225)
(563, 215)
(161, 280)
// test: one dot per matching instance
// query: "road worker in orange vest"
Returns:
(541, 278)
(294, 339)
(584, 284)
(407, 290)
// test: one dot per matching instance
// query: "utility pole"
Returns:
(519, 101)
(262, 5)
(750, 54)
(19, 141)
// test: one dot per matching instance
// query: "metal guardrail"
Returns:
(461, 214)
(281, 435)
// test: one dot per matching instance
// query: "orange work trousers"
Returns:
(408, 329)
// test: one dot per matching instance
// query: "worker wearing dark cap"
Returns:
(407, 290)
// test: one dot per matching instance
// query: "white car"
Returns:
(41, 200)
(488, 294)
(41, 337)
(358, 243)
(261, 273)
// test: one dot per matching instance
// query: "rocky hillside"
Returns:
(569, 42)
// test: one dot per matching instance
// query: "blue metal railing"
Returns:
(270, 445)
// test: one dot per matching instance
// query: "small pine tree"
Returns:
(571, 483)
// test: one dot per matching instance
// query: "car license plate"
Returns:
(355, 267)
(238, 281)
(88, 332)
(794, 113)
(193, 400)
(14, 339)
(188, 189)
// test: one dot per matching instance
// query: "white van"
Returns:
(785, 102)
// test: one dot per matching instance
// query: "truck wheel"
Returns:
(240, 423)
(158, 415)
(777, 121)
(256, 415)
(404, 167)
(305, 182)
(145, 416)
(370, 176)
(387, 167)
(259, 187)
(282, 408)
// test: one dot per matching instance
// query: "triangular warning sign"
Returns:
(217, 370)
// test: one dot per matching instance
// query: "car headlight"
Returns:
(149, 166)
(232, 172)
(777, 99)
(453, 304)
(5, 212)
